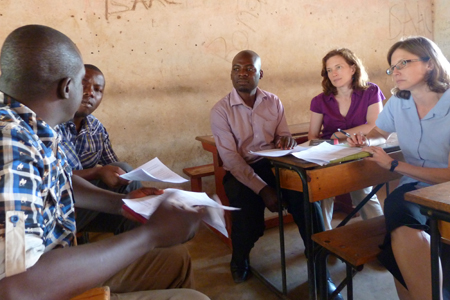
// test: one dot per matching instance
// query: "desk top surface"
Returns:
(436, 197)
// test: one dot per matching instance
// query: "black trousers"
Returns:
(248, 223)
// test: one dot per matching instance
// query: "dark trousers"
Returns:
(94, 221)
(248, 223)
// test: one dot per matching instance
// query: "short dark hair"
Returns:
(438, 79)
(92, 67)
(36, 56)
(360, 78)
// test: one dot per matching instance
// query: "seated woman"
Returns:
(348, 102)
(419, 111)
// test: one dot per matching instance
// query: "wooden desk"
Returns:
(435, 203)
(318, 183)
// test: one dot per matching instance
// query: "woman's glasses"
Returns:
(403, 63)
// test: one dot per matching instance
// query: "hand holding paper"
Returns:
(146, 206)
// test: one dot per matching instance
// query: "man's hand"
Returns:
(286, 143)
(171, 225)
(110, 176)
(269, 196)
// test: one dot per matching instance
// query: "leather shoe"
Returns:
(240, 272)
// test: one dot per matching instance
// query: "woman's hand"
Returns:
(379, 156)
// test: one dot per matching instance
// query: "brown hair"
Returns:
(438, 79)
(360, 78)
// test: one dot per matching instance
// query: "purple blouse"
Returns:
(357, 113)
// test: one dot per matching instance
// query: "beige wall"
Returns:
(442, 25)
(167, 62)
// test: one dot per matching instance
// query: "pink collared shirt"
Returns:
(238, 129)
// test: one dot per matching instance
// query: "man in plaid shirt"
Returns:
(41, 85)
(91, 156)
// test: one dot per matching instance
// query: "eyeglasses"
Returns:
(402, 64)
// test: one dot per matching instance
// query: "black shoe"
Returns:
(240, 272)
(331, 288)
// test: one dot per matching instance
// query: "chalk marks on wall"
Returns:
(410, 18)
(247, 14)
(117, 7)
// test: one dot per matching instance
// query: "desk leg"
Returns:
(310, 253)
(435, 240)
(281, 230)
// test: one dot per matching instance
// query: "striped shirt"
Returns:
(34, 178)
(89, 147)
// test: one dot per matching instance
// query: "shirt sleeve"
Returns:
(108, 154)
(316, 104)
(385, 120)
(375, 94)
(282, 128)
(228, 152)
(20, 190)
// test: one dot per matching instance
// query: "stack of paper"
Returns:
(146, 206)
(324, 153)
(278, 152)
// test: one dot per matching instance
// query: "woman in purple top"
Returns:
(349, 102)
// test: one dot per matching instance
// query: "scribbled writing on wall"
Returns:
(117, 7)
(247, 14)
(410, 18)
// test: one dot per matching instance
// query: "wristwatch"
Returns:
(394, 165)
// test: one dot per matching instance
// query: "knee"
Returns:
(123, 165)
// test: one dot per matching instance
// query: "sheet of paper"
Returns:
(154, 170)
(322, 154)
(278, 152)
(146, 206)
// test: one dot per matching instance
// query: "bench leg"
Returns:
(196, 184)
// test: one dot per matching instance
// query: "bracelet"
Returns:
(335, 135)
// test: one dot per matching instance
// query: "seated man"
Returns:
(250, 119)
(41, 87)
(91, 156)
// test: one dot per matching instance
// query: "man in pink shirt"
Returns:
(250, 118)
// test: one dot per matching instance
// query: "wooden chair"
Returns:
(197, 173)
(355, 244)
(99, 293)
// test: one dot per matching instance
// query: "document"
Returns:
(154, 170)
(323, 153)
(278, 152)
(146, 206)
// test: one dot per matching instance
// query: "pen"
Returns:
(346, 133)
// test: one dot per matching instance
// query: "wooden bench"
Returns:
(100, 293)
(355, 244)
(197, 173)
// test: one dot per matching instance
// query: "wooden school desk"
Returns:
(318, 183)
(435, 203)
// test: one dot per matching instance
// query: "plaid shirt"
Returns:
(89, 147)
(34, 178)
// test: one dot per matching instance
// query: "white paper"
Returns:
(154, 170)
(323, 153)
(146, 206)
(278, 152)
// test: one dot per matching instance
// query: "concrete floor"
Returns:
(211, 258)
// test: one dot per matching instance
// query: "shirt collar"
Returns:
(355, 92)
(441, 109)
(237, 100)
